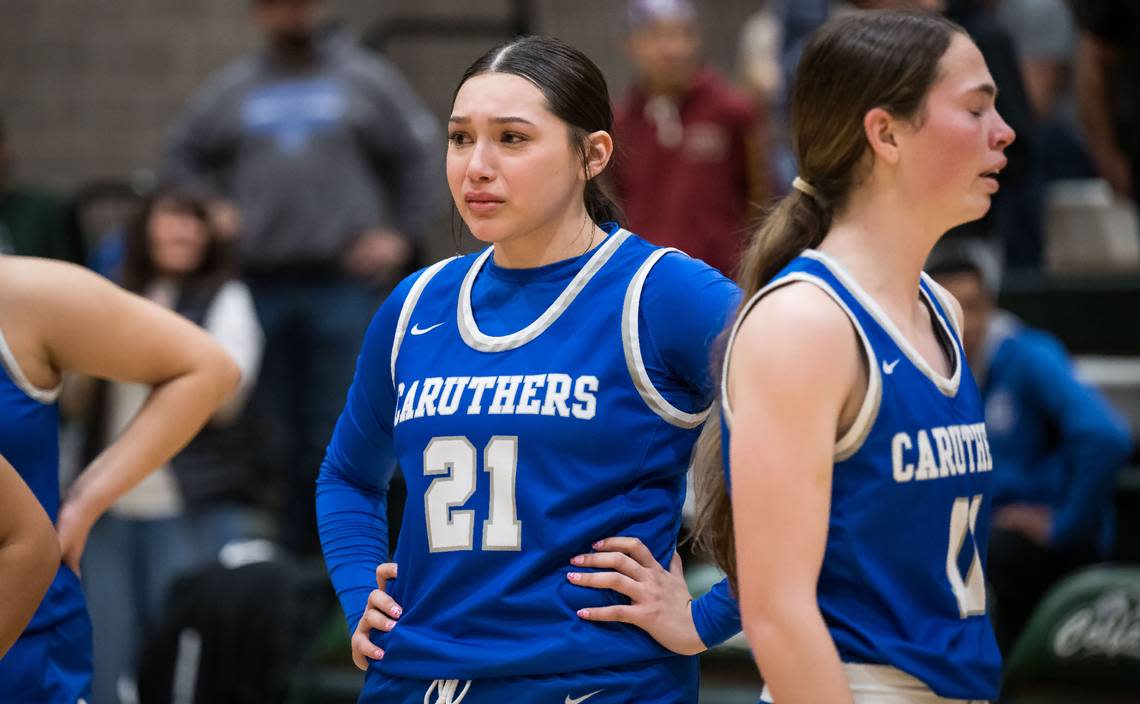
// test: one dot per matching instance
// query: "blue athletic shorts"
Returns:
(668, 681)
(49, 666)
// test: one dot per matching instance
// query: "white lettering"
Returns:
(409, 402)
(528, 404)
(478, 385)
(503, 402)
(399, 394)
(959, 467)
(557, 392)
(927, 469)
(945, 451)
(428, 394)
(584, 389)
(452, 394)
(903, 472)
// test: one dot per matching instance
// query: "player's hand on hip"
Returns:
(660, 599)
(73, 526)
(380, 614)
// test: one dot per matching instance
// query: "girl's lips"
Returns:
(482, 205)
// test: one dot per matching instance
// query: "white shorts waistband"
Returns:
(883, 684)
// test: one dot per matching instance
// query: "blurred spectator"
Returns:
(326, 165)
(692, 162)
(1057, 444)
(1015, 218)
(1108, 88)
(181, 515)
(1044, 37)
(766, 71)
(758, 61)
(34, 222)
(771, 42)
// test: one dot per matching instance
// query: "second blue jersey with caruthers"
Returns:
(902, 580)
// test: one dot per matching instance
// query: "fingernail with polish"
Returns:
(577, 560)
(573, 576)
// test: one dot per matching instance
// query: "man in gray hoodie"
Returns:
(326, 166)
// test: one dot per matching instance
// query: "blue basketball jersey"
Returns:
(901, 582)
(51, 662)
(520, 451)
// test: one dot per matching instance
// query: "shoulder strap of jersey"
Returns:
(410, 305)
(631, 343)
(853, 438)
(944, 306)
(16, 374)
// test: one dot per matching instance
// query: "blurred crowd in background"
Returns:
(304, 179)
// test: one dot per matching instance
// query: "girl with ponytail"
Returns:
(853, 431)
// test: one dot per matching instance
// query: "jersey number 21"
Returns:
(456, 458)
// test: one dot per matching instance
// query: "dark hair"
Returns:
(955, 265)
(850, 66)
(575, 92)
(218, 263)
(965, 255)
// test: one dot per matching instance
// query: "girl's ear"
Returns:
(599, 150)
(881, 129)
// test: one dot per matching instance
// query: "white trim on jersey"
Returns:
(17, 375)
(883, 684)
(948, 386)
(410, 305)
(631, 342)
(945, 297)
(477, 340)
(853, 439)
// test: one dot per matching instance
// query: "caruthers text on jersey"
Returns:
(961, 449)
(549, 394)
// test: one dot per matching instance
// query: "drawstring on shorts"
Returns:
(445, 692)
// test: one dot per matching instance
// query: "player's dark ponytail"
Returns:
(575, 92)
(852, 65)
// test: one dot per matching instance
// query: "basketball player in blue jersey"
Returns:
(860, 470)
(541, 395)
(55, 318)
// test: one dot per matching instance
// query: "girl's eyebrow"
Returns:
(463, 119)
(986, 88)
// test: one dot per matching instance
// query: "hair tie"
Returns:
(804, 187)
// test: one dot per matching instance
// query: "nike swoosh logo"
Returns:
(887, 368)
(417, 330)
(582, 698)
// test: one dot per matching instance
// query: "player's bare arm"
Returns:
(63, 317)
(790, 404)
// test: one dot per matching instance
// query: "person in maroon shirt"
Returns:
(691, 170)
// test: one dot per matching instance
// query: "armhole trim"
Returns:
(944, 299)
(16, 374)
(410, 305)
(853, 439)
(631, 343)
